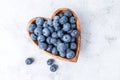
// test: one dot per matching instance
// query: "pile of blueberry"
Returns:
(57, 36)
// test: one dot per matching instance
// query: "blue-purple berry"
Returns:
(62, 53)
(61, 47)
(33, 36)
(48, 40)
(63, 20)
(50, 22)
(56, 18)
(45, 24)
(51, 29)
(72, 19)
(38, 31)
(53, 40)
(29, 61)
(41, 38)
(70, 54)
(53, 68)
(73, 46)
(49, 48)
(42, 45)
(66, 38)
(66, 27)
(60, 33)
(73, 26)
(46, 32)
(60, 15)
(32, 27)
(68, 13)
(54, 51)
(75, 33)
(54, 35)
(50, 61)
(39, 21)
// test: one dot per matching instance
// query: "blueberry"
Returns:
(73, 39)
(33, 36)
(51, 29)
(39, 21)
(72, 19)
(73, 25)
(67, 45)
(42, 45)
(59, 41)
(53, 40)
(60, 33)
(70, 54)
(46, 32)
(49, 48)
(50, 22)
(61, 47)
(54, 51)
(48, 40)
(74, 33)
(55, 23)
(57, 28)
(73, 46)
(63, 20)
(60, 14)
(66, 27)
(38, 31)
(56, 18)
(45, 24)
(41, 38)
(62, 54)
(53, 68)
(40, 26)
(68, 13)
(50, 61)
(66, 38)
(32, 27)
(69, 31)
(54, 35)
(29, 61)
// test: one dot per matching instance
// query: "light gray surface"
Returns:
(100, 50)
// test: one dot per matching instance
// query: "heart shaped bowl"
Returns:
(78, 39)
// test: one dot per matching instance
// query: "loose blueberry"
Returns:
(29, 61)
(32, 27)
(54, 35)
(53, 68)
(61, 47)
(54, 51)
(74, 33)
(68, 13)
(66, 38)
(72, 19)
(70, 54)
(39, 21)
(73, 46)
(33, 36)
(46, 32)
(50, 48)
(50, 22)
(60, 33)
(63, 20)
(45, 24)
(48, 40)
(38, 31)
(66, 27)
(50, 61)
(42, 45)
(41, 38)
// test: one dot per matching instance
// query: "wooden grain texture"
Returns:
(78, 40)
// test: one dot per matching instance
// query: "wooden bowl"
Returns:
(78, 40)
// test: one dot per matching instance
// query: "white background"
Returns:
(100, 49)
